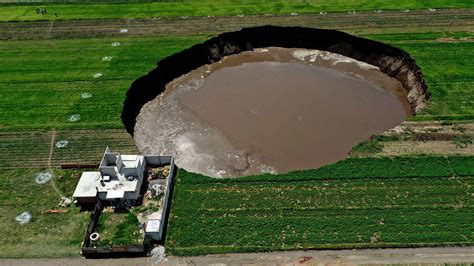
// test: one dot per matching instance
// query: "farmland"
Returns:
(34, 67)
(300, 211)
(409, 188)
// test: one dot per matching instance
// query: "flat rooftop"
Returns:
(86, 187)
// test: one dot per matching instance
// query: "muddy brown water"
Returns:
(271, 110)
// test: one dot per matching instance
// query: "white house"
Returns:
(120, 177)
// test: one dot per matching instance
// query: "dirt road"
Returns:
(361, 23)
(341, 257)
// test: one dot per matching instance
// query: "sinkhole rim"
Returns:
(390, 60)
(208, 142)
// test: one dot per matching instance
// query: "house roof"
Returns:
(86, 187)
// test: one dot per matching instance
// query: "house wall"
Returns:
(130, 171)
(108, 170)
(157, 159)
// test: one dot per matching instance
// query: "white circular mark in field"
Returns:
(123, 30)
(97, 75)
(23, 218)
(406, 10)
(432, 9)
(241, 15)
(42, 178)
(184, 17)
(294, 14)
(115, 44)
(62, 143)
(86, 95)
(106, 58)
(378, 11)
(351, 12)
(323, 13)
(74, 118)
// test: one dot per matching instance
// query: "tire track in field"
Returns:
(50, 168)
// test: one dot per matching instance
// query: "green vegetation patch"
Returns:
(355, 168)
(287, 212)
(46, 235)
(209, 8)
(365, 148)
(447, 68)
(118, 229)
(42, 86)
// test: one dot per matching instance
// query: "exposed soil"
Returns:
(417, 256)
(359, 23)
(270, 110)
(404, 148)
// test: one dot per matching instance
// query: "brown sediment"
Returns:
(270, 110)
(183, 128)
(390, 60)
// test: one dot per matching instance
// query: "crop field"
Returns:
(64, 78)
(402, 208)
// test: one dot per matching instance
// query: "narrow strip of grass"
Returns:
(354, 168)
(209, 8)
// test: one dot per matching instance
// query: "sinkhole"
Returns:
(271, 100)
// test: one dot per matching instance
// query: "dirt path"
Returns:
(360, 23)
(51, 147)
(51, 150)
(342, 257)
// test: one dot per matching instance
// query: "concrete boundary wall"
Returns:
(135, 250)
(158, 160)
(167, 202)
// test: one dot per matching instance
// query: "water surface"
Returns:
(247, 116)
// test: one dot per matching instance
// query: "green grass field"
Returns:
(211, 8)
(118, 229)
(369, 200)
(46, 235)
(53, 74)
